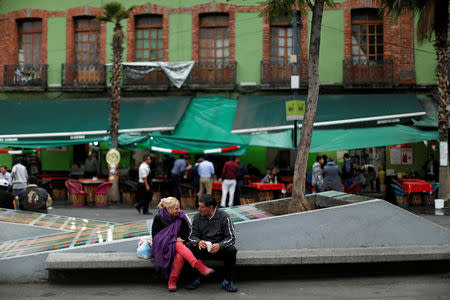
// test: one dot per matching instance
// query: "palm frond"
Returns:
(115, 12)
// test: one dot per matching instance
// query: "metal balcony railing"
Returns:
(136, 76)
(89, 75)
(25, 75)
(370, 75)
(214, 75)
(276, 75)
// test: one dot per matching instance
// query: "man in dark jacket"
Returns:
(34, 198)
(347, 171)
(213, 237)
(6, 198)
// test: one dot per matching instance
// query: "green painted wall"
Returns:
(6, 160)
(52, 5)
(256, 156)
(57, 161)
(248, 47)
(425, 60)
(331, 45)
(56, 49)
(312, 159)
(421, 153)
(180, 39)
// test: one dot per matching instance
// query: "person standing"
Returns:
(347, 171)
(212, 237)
(19, 177)
(91, 165)
(229, 172)
(331, 179)
(431, 169)
(206, 173)
(6, 199)
(34, 198)
(180, 166)
(4, 174)
(144, 186)
(317, 176)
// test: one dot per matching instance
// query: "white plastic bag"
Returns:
(144, 248)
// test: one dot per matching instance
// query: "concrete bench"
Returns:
(263, 258)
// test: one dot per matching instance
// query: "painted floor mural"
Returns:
(85, 232)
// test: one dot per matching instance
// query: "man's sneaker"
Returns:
(228, 286)
(192, 286)
(204, 270)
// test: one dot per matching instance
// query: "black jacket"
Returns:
(6, 200)
(159, 224)
(219, 229)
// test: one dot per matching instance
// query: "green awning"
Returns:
(80, 119)
(268, 113)
(359, 138)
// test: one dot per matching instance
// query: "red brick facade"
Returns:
(399, 38)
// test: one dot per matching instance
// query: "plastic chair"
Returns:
(354, 189)
(101, 193)
(75, 192)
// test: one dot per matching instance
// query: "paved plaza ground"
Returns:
(426, 287)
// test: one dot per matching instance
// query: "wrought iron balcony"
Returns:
(83, 75)
(25, 75)
(279, 76)
(137, 76)
(213, 75)
(368, 75)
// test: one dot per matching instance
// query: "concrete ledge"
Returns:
(263, 258)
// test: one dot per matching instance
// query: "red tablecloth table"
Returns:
(217, 185)
(89, 186)
(267, 186)
(414, 185)
(266, 190)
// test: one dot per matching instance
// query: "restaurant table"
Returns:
(415, 185)
(56, 187)
(266, 190)
(89, 186)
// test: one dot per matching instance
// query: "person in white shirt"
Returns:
(206, 173)
(4, 174)
(19, 177)
(144, 194)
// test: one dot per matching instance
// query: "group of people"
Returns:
(18, 191)
(210, 236)
(326, 174)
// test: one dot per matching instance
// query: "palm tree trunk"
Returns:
(114, 195)
(299, 202)
(442, 52)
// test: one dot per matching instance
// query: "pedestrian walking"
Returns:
(331, 179)
(206, 173)
(317, 176)
(180, 166)
(19, 177)
(347, 171)
(229, 172)
(144, 186)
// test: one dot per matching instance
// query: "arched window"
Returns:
(214, 43)
(367, 37)
(149, 38)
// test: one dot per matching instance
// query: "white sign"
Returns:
(295, 82)
(443, 154)
(113, 157)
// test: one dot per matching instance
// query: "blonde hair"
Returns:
(168, 202)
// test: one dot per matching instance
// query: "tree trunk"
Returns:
(442, 51)
(299, 202)
(114, 195)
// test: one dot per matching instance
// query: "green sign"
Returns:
(295, 110)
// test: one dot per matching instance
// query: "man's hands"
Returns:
(214, 248)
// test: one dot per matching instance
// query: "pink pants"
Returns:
(183, 253)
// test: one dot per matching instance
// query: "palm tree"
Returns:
(115, 13)
(277, 8)
(432, 25)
